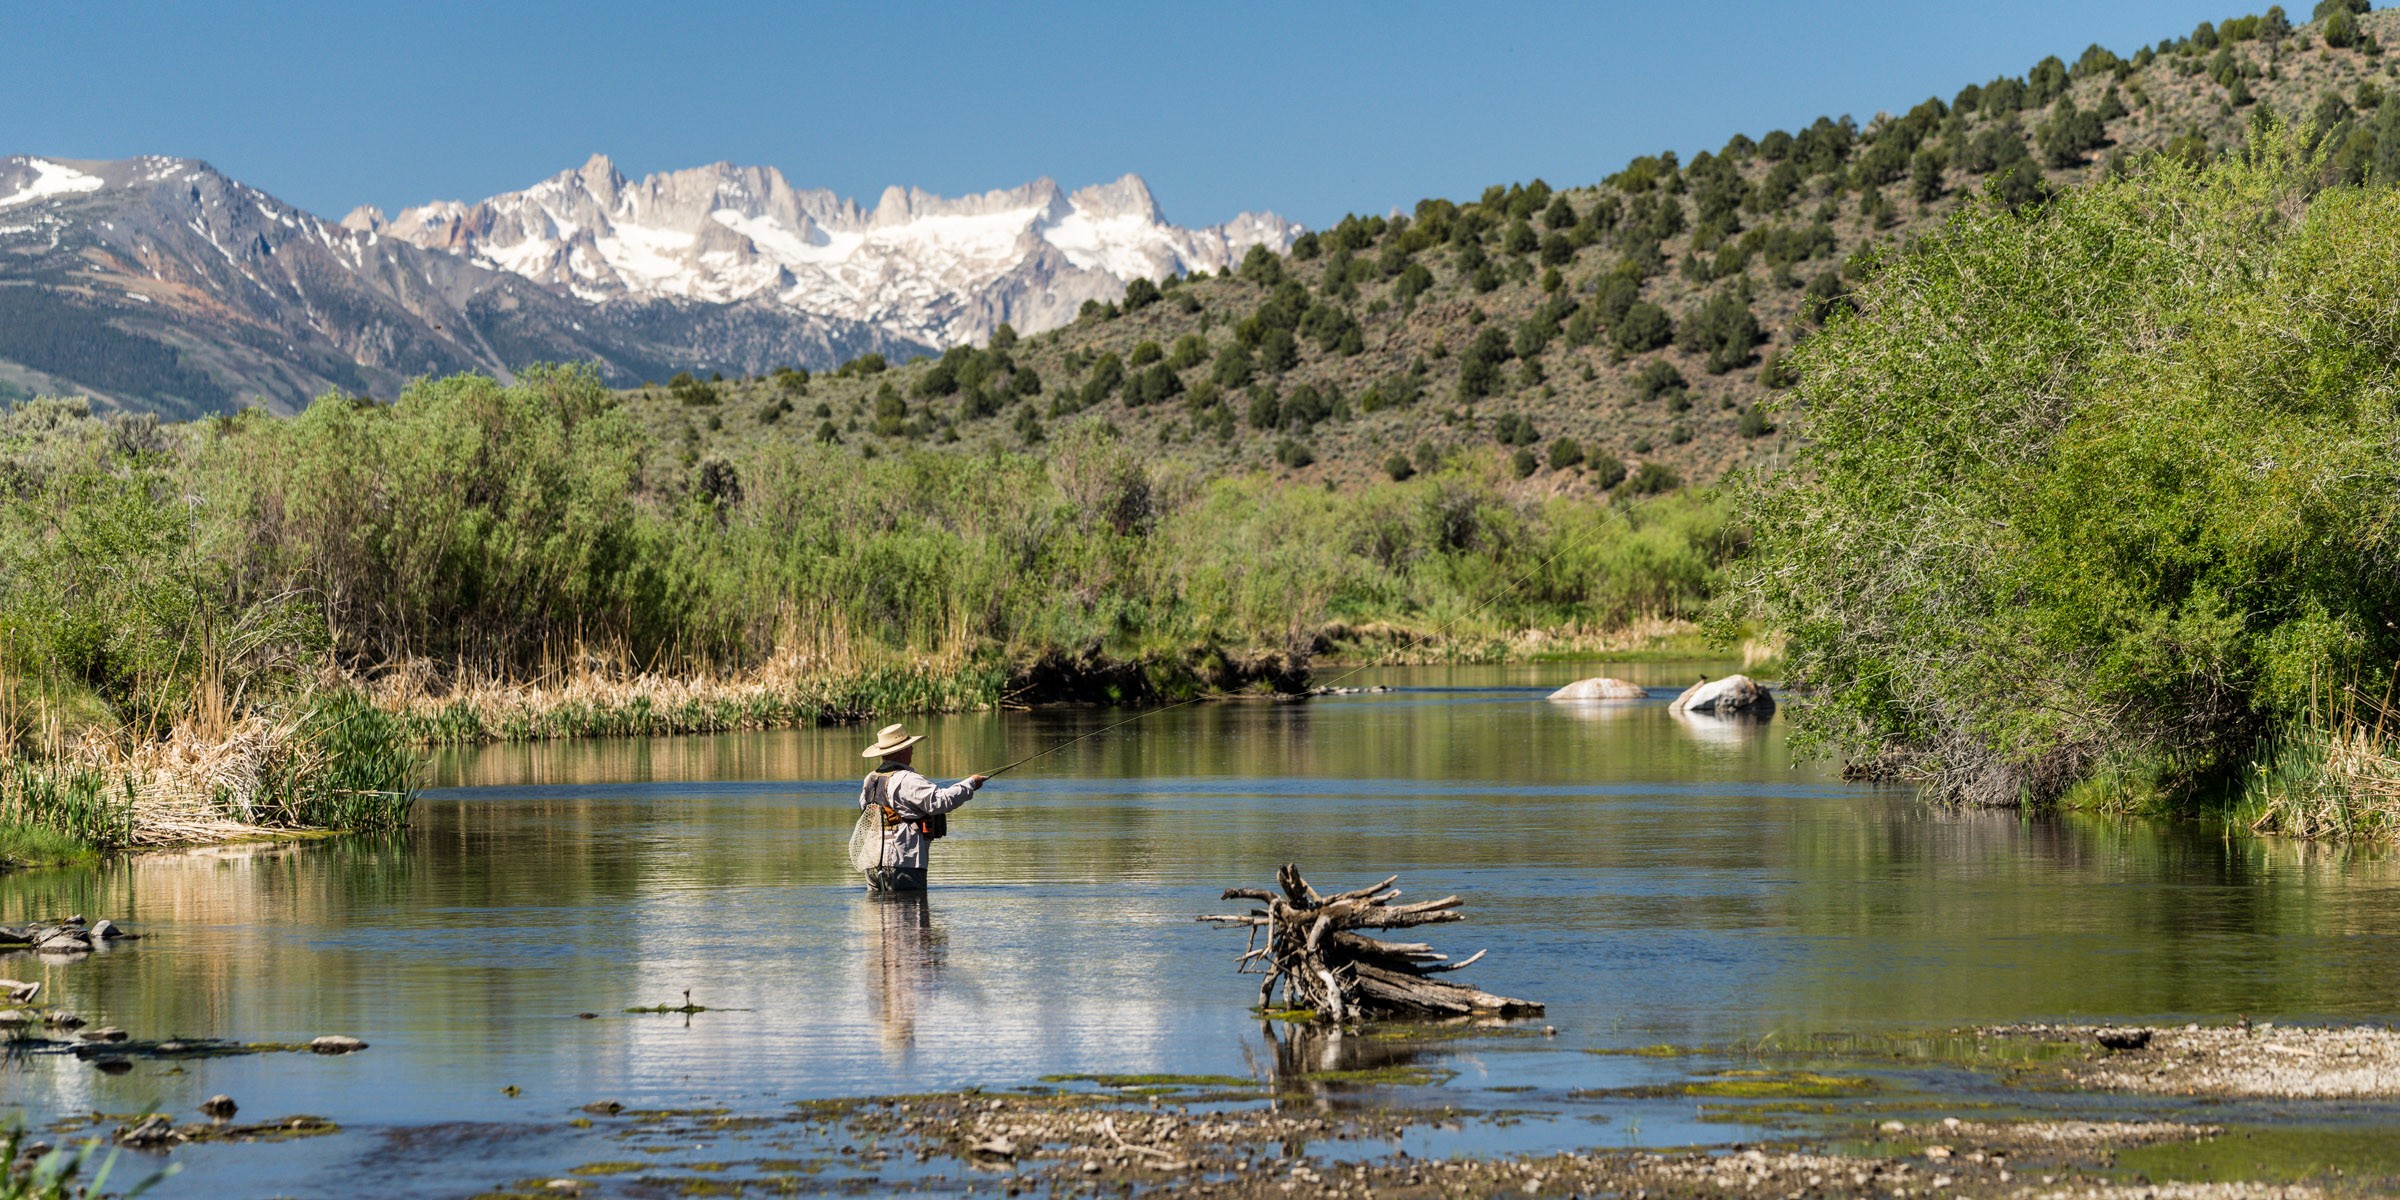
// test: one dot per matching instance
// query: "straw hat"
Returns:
(891, 740)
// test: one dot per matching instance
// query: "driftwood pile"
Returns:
(1314, 951)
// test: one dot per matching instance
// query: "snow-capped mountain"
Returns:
(919, 266)
(160, 284)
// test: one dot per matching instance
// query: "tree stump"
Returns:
(1314, 951)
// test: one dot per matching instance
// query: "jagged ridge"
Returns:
(938, 270)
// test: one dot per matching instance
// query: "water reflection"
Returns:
(908, 962)
(1720, 732)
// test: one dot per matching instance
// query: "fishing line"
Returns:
(1446, 626)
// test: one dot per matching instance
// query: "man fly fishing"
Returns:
(901, 811)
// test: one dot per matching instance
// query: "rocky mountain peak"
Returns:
(1128, 196)
(922, 266)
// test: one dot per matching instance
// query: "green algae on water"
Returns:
(2360, 1156)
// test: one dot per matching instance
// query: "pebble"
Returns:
(219, 1106)
(336, 1044)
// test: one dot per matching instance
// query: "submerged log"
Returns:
(1313, 950)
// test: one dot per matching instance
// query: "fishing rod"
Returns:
(1446, 626)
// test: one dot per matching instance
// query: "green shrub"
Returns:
(1645, 327)
(2148, 551)
(1652, 478)
(1606, 468)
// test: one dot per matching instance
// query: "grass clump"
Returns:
(2094, 492)
(2333, 775)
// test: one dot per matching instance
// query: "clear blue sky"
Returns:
(1311, 111)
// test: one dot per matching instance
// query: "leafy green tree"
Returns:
(1646, 327)
(1520, 238)
(1234, 367)
(2071, 134)
(1557, 251)
(1189, 351)
(2328, 8)
(1925, 176)
(1723, 330)
(1658, 378)
(974, 404)
(1398, 468)
(1141, 293)
(1155, 385)
(1514, 429)
(1266, 408)
(1565, 452)
(1278, 351)
(2204, 36)
(1262, 266)
(2341, 30)
(2116, 590)
(2096, 60)
(1524, 462)
(1754, 423)
(1606, 468)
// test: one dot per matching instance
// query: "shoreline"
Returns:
(1382, 1132)
(595, 702)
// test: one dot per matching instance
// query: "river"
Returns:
(1655, 879)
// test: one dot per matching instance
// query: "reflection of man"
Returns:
(907, 955)
(913, 808)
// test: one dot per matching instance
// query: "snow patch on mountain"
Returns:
(935, 269)
(50, 179)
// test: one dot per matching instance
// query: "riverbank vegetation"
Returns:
(256, 616)
(2099, 501)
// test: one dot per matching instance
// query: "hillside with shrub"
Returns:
(1616, 336)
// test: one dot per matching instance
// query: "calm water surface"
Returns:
(1653, 878)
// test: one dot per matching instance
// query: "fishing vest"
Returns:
(879, 795)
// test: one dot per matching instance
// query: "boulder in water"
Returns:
(1600, 688)
(1724, 697)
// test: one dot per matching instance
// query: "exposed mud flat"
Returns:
(2262, 1061)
